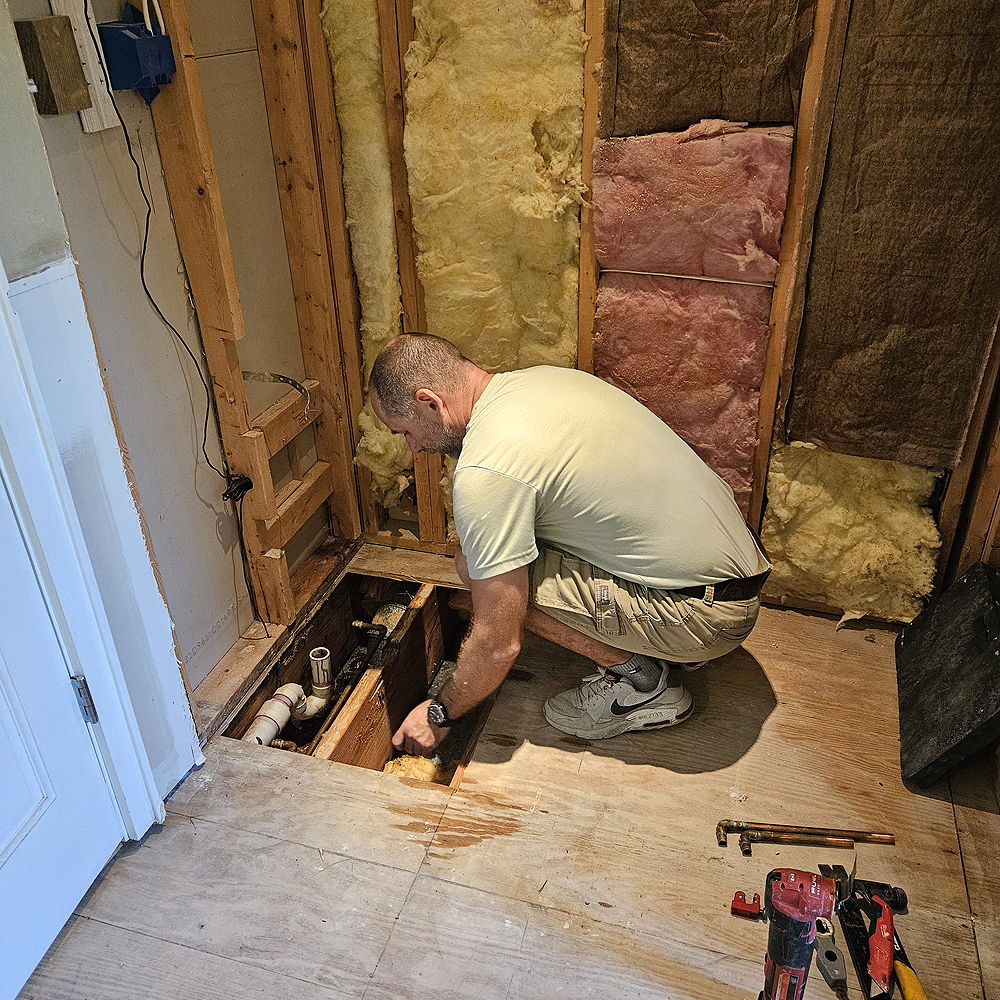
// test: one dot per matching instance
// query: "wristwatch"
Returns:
(437, 715)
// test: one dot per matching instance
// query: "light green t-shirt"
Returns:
(559, 455)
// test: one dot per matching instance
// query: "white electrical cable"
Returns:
(159, 16)
(145, 16)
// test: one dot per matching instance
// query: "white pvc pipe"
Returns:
(322, 675)
(275, 713)
(290, 701)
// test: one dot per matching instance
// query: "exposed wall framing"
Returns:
(270, 519)
(306, 144)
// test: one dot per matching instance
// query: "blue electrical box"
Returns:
(137, 58)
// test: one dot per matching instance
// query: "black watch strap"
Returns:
(437, 715)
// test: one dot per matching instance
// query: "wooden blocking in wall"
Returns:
(284, 51)
(53, 62)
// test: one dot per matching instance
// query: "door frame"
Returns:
(34, 478)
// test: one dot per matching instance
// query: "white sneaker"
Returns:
(605, 705)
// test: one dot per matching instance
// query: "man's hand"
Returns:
(416, 735)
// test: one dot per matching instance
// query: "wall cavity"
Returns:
(493, 151)
(851, 533)
(352, 34)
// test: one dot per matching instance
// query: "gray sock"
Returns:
(642, 672)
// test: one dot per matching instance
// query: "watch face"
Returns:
(436, 713)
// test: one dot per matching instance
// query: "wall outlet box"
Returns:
(136, 58)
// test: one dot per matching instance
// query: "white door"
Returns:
(70, 790)
(58, 821)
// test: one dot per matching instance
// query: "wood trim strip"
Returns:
(283, 53)
(812, 137)
(589, 275)
(298, 507)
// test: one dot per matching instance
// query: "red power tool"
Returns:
(793, 901)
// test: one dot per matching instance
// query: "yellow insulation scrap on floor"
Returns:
(494, 112)
(851, 533)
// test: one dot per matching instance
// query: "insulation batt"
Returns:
(694, 354)
(352, 34)
(494, 117)
(852, 533)
(707, 201)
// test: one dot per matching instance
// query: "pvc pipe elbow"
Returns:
(310, 707)
(274, 714)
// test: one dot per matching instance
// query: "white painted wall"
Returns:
(157, 392)
(60, 339)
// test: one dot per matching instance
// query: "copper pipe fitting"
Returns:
(858, 836)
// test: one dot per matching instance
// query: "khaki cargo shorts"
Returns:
(629, 616)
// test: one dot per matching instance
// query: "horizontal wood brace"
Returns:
(298, 507)
(288, 417)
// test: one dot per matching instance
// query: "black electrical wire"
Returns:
(237, 485)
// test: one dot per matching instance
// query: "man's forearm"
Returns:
(483, 663)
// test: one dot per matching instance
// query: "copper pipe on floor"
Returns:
(859, 836)
(750, 837)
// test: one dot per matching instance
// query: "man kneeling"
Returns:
(586, 519)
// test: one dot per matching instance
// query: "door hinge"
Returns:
(85, 698)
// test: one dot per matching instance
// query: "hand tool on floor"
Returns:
(830, 959)
(909, 984)
(751, 833)
(793, 901)
(866, 909)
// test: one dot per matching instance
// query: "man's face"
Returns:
(423, 433)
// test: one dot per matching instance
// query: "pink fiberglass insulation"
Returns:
(693, 352)
(708, 201)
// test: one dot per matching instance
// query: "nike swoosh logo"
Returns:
(617, 709)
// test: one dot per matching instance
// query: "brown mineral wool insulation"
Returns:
(707, 201)
(851, 533)
(903, 296)
(668, 63)
(693, 352)
(494, 111)
(352, 34)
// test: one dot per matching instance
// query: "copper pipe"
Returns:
(859, 836)
(750, 837)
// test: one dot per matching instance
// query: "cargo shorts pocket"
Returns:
(607, 617)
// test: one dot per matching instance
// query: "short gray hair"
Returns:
(411, 362)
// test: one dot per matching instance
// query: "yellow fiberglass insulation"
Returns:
(852, 533)
(493, 152)
(352, 34)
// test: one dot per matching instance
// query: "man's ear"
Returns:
(429, 398)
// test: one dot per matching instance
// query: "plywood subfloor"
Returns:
(559, 868)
